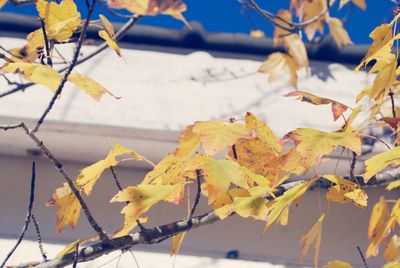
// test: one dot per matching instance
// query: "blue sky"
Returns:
(225, 16)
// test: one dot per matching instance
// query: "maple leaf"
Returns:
(189, 143)
(216, 135)
(392, 250)
(2, 3)
(384, 79)
(109, 35)
(174, 8)
(296, 49)
(168, 171)
(68, 210)
(89, 86)
(340, 34)
(280, 33)
(61, 20)
(246, 203)
(337, 264)
(393, 185)
(141, 198)
(360, 3)
(36, 73)
(380, 161)
(313, 144)
(313, 236)
(337, 108)
(72, 246)
(310, 9)
(280, 205)
(345, 191)
(262, 131)
(90, 175)
(257, 34)
(258, 157)
(176, 243)
(278, 64)
(218, 174)
(35, 40)
(380, 50)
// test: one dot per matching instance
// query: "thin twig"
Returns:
(69, 70)
(113, 12)
(39, 237)
(76, 254)
(353, 165)
(46, 42)
(391, 94)
(200, 177)
(362, 257)
(27, 218)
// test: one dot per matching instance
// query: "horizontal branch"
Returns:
(160, 233)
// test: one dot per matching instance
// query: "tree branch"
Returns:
(28, 216)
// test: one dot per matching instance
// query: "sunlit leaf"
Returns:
(380, 161)
(111, 42)
(72, 246)
(189, 143)
(176, 243)
(360, 3)
(345, 191)
(393, 185)
(296, 49)
(257, 34)
(2, 3)
(337, 264)
(337, 108)
(309, 10)
(279, 64)
(280, 33)
(88, 85)
(313, 236)
(392, 250)
(338, 32)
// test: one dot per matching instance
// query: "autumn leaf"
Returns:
(313, 236)
(257, 34)
(90, 175)
(176, 243)
(68, 207)
(109, 35)
(141, 198)
(380, 161)
(61, 20)
(168, 171)
(309, 10)
(280, 33)
(35, 40)
(89, 86)
(393, 185)
(392, 250)
(216, 135)
(296, 49)
(2, 3)
(360, 3)
(337, 264)
(345, 191)
(36, 73)
(174, 8)
(279, 64)
(262, 131)
(313, 144)
(380, 50)
(189, 143)
(283, 202)
(337, 108)
(338, 32)
(72, 246)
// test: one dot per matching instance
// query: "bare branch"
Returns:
(39, 237)
(27, 218)
(362, 257)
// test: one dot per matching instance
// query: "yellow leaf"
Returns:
(280, 33)
(309, 10)
(394, 264)
(68, 210)
(126, 229)
(107, 24)
(216, 135)
(141, 198)
(189, 143)
(176, 243)
(61, 20)
(377, 226)
(380, 50)
(296, 49)
(35, 40)
(313, 236)
(111, 42)
(218, 174)
(257, 34)
(340, 34)
(258, 157)
(360, 3)
(380, 161)
(383, 81)
(279, 64)
(174, 8)
(337, 108)
(2, 3)
(345, 191)
(313, 144)
(392, 250)
(262, 131)
(168, 171)
(393, 185)
(279, 205)
(90, 175)
(337, 264)
(36, 73)
(253, 204)
(72, 246)
(89, 86)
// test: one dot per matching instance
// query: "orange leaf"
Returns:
(176, 243)
(340, 34)
(280, 33)
(279, 64)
